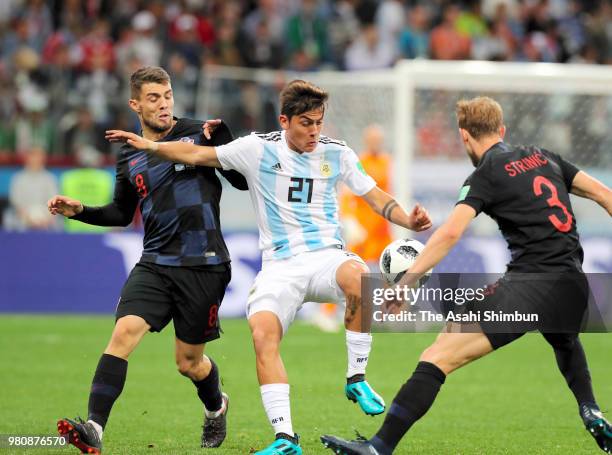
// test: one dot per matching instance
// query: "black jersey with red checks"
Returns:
(525, 189)
(179, 203)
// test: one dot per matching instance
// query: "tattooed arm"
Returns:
(387, 207)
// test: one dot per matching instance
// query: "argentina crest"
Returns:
(325, 168)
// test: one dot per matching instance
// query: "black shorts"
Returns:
(190, 296)
(559, 300)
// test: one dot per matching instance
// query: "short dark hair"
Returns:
(480, 116)
(147, 74)
(301, 96)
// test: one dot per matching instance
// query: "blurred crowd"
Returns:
(64, 64)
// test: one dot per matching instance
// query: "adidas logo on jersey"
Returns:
(277, 167)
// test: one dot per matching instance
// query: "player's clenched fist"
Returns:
(420, 219)
(132, 139)
(62, 205)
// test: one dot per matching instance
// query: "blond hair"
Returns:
(481, 116)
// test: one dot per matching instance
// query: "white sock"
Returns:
(97, 427)
(358, 346)
(275, 399)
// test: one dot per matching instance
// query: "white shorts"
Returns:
(283, 285)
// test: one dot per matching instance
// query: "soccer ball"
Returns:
(398, 257)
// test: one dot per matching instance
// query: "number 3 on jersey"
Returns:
(298, 187)
(553, 201)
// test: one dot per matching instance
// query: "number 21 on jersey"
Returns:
(298, 184)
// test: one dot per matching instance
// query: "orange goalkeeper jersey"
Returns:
(377, 230)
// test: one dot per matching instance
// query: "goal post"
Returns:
(566, 108)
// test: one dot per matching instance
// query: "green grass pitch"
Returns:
(513, 402)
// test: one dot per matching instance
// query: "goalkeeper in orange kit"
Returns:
(366, 235)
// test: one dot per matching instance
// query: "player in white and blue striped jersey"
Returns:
(294, 195)
(293, 176)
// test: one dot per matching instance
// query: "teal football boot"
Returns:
(361, 392)
(284, 445)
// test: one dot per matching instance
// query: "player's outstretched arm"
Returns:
(119, 212)
(440, 243)
(178, 151)
(387, 207)
(586, 186)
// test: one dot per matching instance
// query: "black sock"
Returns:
(106, 387)
(355, 378)
(288, 437)
(209, 389)
(573, 366)
(412, 401)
